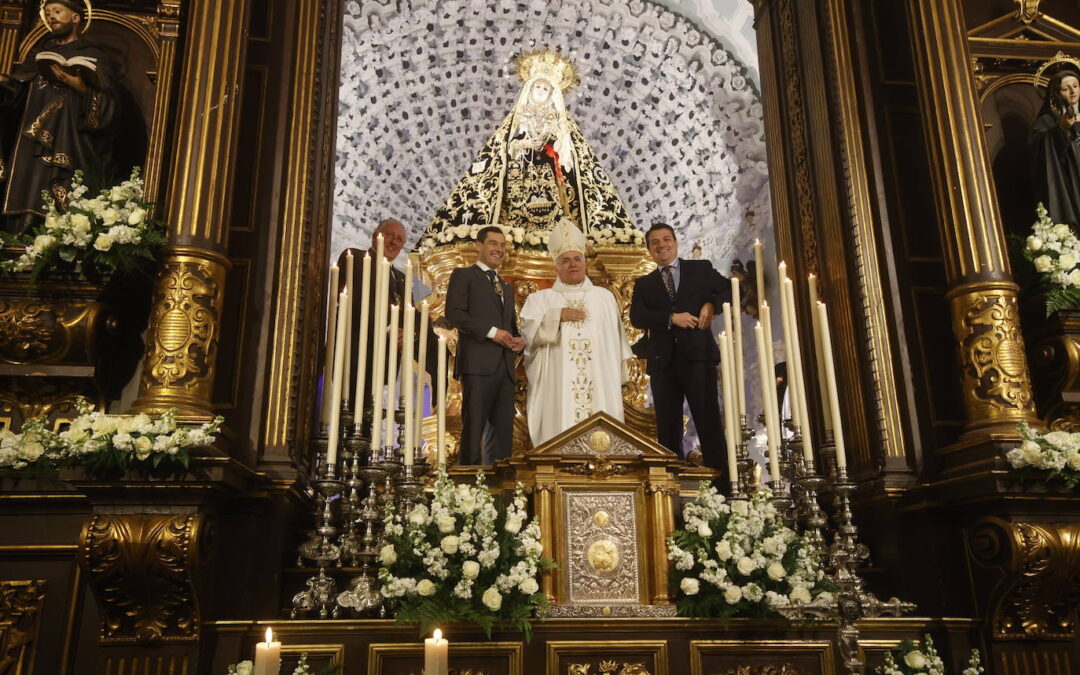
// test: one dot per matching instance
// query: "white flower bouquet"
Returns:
(107, 445)
(302, 668)
(616, 236)
(110, 232)
(912, 658)
(465, 557)
(1057, 452)
(741, 559)
(1054, 251)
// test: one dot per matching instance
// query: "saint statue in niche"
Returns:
(1055, 142)
(536, 167)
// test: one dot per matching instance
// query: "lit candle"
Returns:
(407, 362)
(759, 269)
(737, 346)
(800, 376)
(391, 374)
(331, 335)
(788, 325)
(767, 386)
(378, 373)
(362, 354)
(421, 361)
(268, 656)
(436, 654)
(726, 358)
(819, 356)
(340, 343)
(830, 378)
(770, 358)
(350, 272)
(440, 434)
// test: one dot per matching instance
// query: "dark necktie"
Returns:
(496, 285)
(669, 281)
(397, 288)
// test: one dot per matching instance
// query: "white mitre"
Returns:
(565, 236)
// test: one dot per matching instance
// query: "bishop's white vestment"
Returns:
(575, 368)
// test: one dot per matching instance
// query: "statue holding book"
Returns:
(64, 89)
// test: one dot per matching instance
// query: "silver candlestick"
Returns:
(320, 548)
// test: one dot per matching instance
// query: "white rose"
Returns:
(513, 524)
(449, 544)
(745, 566)
(704, 530)
(723, 550)
(800, 594)
(916, 659)
(1043, 263)
(1061, 231)
(732, 595)
(31, 451)
(529, 586)
(110, 216)
(43, 241)
(137, 216)
(467, 504)
(425, 588)
(740, 507)
(143, 445)
(689, 586)
(1073, 460)
(492, 599)
(1066, 261)
(418, 515)
(776, 571)
(1032, 455)
(80, 223)
(245, 668)
(103, 242)
(1034, 243)
(470, 569)
(387, 555)
(104, 425)
(445, 522)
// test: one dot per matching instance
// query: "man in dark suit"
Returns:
(481, 306)
(675, 305)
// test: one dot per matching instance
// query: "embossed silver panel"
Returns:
(603, 563)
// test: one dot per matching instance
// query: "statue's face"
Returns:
(393, 234)
(1070, 89)
(570, 267)
(61, 19)
(541, 92)
(492, 251)
(663, 247)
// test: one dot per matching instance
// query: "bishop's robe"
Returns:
(575, 368)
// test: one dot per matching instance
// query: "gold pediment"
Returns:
(1041, 28)
(600, 436)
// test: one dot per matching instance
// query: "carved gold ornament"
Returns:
(1059, 59)
(607, 668)
(603, 555)
(89, 15)
(20, 618)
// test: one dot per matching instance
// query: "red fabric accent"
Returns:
(549, 150)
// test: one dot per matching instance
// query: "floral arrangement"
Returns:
(1057, 452)
(112, 231)
(107, 445)
(1054, 250)
(517, 236)
(466, 557)
(911, 658)
(302, 668)
(741, 559)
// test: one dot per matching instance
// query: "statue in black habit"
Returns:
(65, 89)
(1055, 148)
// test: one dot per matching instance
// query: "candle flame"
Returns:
(437, 634)
(269, 635)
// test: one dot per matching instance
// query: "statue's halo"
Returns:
(86, 3)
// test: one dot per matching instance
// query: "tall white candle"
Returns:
(800, 376)
(770, 358)
(830, 378)
(440, 434)
(340, 343)
(350, 272)
(362, 347)
(788, 324)
(436, 654)
(767, 386)
(267, 656)
(378, 373)
(391, 374)
(421, 360)
(726, 358)
(737, 345)
(759, 270)
(407, 362)
(819, 355)
(331, 336)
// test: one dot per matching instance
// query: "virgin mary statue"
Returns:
(536, 167)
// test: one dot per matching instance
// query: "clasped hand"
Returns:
(689, 321)
(504, 338)
(572, 314)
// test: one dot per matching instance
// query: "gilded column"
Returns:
(544, 508)
(982, 294)
(660, 496)
(182, 340)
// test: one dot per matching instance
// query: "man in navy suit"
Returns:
(481, 306)
(675, 305)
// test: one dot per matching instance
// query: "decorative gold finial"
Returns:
(548, 64)
(1059, 59)
(89, 13)
(1027, 10)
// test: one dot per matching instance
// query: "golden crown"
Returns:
(547, 64)
(1061, 59)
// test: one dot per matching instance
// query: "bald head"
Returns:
(393, 233)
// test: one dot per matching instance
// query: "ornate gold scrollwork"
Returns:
(20, 615)
(1037, 599)
(53, 323)
(183, 335)
(142, 568)
(997, 388)
(767, 669)
(607, 668)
